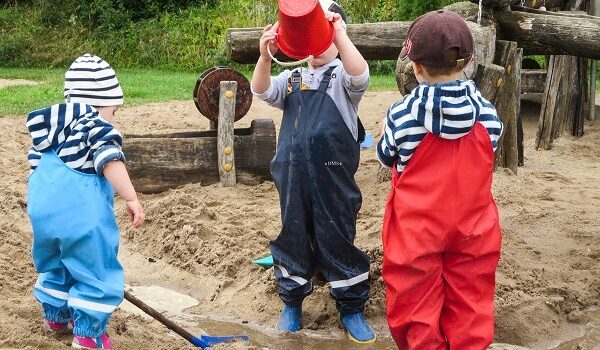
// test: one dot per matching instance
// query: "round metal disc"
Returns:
(207, 91)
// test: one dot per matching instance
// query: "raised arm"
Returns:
(352, 60)
(261, 78)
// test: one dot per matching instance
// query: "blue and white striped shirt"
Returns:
(79, 136)
(448, 110)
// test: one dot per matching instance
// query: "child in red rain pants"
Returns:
(441, 235)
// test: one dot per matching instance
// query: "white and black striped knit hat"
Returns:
(92, 81)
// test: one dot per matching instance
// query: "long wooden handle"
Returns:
(158, 316)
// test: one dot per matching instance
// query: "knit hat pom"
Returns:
(92, 81)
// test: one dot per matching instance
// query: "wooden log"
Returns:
(555, 102)
(533, 81)
(508, 103)
(375, 41)
(550, 33)
(579, 106)
(225, 149)
(159, 161)
(540, 32)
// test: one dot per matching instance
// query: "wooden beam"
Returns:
(551, 34)
(159, 161)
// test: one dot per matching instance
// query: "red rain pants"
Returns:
(441, 241)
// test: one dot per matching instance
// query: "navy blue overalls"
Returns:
(313, 169)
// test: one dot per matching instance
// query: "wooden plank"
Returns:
(160, 161)
(225, 149)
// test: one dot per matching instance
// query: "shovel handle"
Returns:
(159, 317)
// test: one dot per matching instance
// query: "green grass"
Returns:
(139, 85)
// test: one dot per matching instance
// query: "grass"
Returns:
(139, 85)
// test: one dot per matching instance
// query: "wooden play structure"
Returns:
(160, 161)
(504, 31)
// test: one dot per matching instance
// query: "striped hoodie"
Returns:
(448, 110)
(75, 131)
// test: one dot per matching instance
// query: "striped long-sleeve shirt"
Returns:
(79, 136)
(448, 110)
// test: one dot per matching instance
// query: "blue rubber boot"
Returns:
(290, 319)
(357, 328)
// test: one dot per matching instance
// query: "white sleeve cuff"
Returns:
(265, 95)
(361, 81)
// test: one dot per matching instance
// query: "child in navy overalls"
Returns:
(318, 153)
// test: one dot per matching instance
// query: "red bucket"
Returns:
(303, 29)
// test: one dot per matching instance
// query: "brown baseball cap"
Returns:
(439, 39)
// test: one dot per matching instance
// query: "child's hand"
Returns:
(268, 39)
(338, 23)
(136, 213)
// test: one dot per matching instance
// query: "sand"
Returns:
(199, 240)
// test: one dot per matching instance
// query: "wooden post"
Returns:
(225, 133)
(592, 90)
(508, 103)
(555, 102)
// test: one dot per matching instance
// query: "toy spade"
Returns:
(202, 341)
(266, 262)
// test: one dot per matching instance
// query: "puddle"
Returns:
(173, 305)
(588, 337)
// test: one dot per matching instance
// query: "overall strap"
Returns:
(296, 80)
(326, 79)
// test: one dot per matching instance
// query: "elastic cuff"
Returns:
(106, 154)
(82, 332)
(60, 317)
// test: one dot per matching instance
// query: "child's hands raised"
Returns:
(268, 40)
(338, 23)
(136, 212)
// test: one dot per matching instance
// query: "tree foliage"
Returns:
(177, 34)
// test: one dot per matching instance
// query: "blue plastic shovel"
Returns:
(203, 341)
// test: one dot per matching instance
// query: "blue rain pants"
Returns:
(75, 244)
(313, 170)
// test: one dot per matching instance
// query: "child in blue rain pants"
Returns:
(76, 165)
(317, 156)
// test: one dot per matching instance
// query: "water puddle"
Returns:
(173, 306)
(588, 337)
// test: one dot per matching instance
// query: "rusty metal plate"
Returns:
(207, 90)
